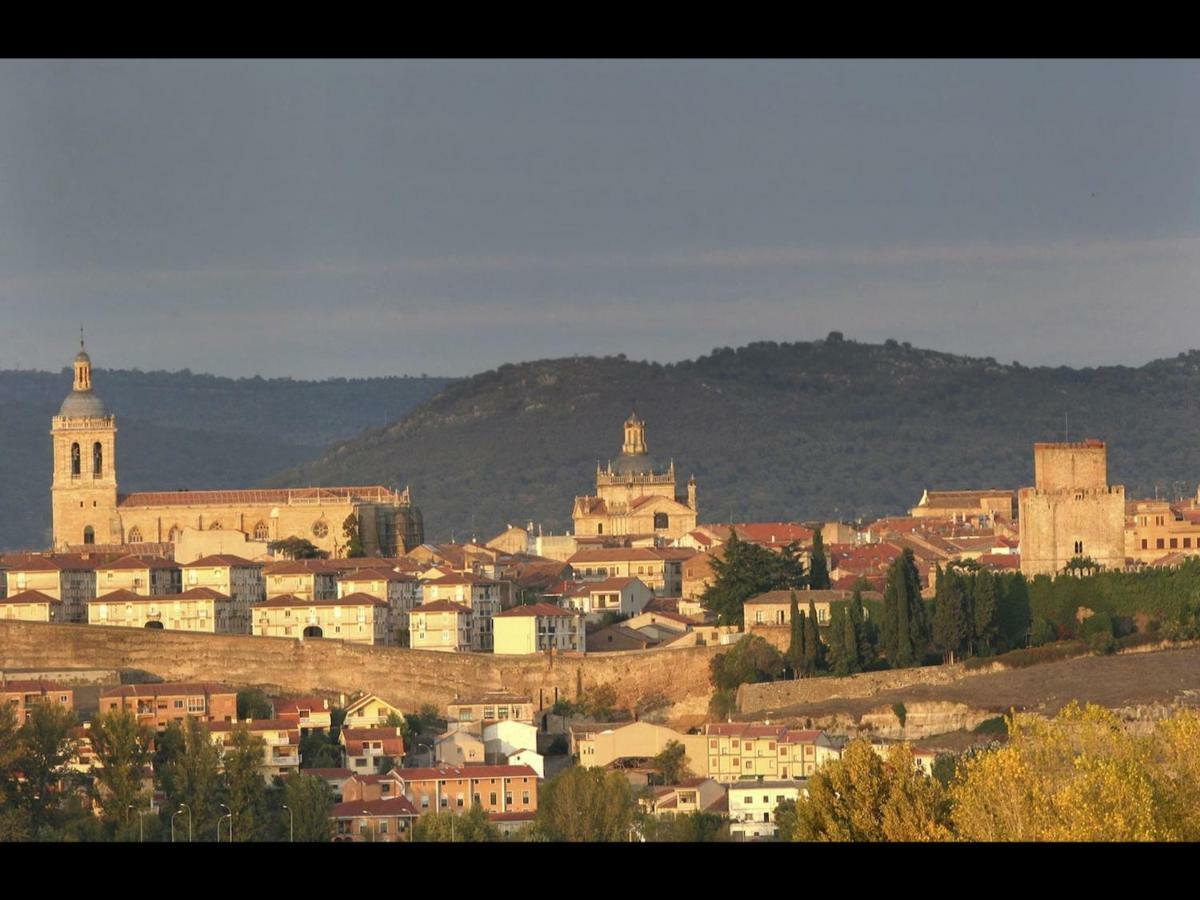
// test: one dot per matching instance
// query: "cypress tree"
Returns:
(858, 616)
(849, 640)
(986, 610)
(890, 627)
(818, 569)
(839, 659)
(795, 654)
(814, 650)
(918, 620)
(951, 626)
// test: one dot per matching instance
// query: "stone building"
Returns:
(1071, 510)
(632, 498)
(87, 510)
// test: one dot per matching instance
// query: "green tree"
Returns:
(795, 652)
(858, 617)
(905, 630)
(122, 748)
(244, 785)
(297, 548)
(689, 828)
(843, 643)
(317, 751)
(952, 626)
(10, 755)
(600, 703)
(192, 776)
(749, 661)
(1014, 614)
(47, 745)
(311, 803)
(672, 763)
(814, 650)
(747, 570)
(986, 607)
(589, 805)
(818, 570)
(253, 703)
(472, 827)
(354, 547)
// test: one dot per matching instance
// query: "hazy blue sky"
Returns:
(364, 218)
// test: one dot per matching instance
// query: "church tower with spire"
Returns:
(84, 489)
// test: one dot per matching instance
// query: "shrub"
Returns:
(1100, 623)
(723, 704)
(1041, 632)
(1103, 642)
(994, 725)
(1019, 659)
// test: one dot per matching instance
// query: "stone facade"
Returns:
(1071, 510)
(632, 498)
(87, 509)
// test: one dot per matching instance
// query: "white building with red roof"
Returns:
(538, 627)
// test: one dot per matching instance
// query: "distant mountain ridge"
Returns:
(183, 430)
(772, 431)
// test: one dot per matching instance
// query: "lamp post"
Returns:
(291, 824)
(141, 824)
(182, 807)
(228, 815)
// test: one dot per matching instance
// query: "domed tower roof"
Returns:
(82, 401)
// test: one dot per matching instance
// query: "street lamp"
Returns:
(182, 807)
(291, 824)
(228, 815)
(141, 824)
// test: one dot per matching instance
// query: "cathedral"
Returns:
(87, 510)
(632, 498)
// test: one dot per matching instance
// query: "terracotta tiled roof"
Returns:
(537, 609)
(53, 564)
(29, 686)
(141, 562)
(346, 774)
(619, 554)
(745, 730)
(441, 606)
(449, 773)
(463, 578)
(358, 599)
(29, 597)
(124, 596)
(168, 688)
(220, 560)
(197, 593)
(389, 806)
(375, 575)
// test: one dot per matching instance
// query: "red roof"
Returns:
(169, 688)
(52, 564)
(462, 578)
(30, 686)
(124, 596)
(442, 606)
(620, 554)
(141, 562)
(220, 560)
(389, 806)
(358, 599)
(29, 597)
(450, 773)
(375, 575)
(198, 593)
(745, 730)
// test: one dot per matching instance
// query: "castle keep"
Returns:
(1071, 510)
(87, 509)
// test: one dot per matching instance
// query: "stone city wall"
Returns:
(407, 678)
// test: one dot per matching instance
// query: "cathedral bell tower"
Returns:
(84, 489)
(635, 436)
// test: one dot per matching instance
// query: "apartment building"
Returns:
(23, 694)
(198, 610)
(538, 627)
(308, 579)
(752, 807)
(385, 820)
(370, 711)
(443, 625)
(71, 581)
(150, 576)
(31, 606)
(372, 750)
(498, 789)
(281, 743)
(621, 596)
(399, 590)
(357, 618)
(659, 568)
(493, 706)
(480, 595)
(230, 575)
(306, 713)
(160, 704)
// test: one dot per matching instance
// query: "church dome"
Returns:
(639, 464)
(82, 356)
(82, 403)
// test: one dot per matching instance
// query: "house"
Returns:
(357, 618)
(308, 713)
(504, 741)
(31, 606)
(371, 750)
(619, 596)
(281, 743)
(22, 694)
(691, 795)
(803, 751)
(230, 575)
(739, 750)
(618, 637)
(444, 626)
(659, 568)
(158, 705)
(68, 579)
(752, 807)
(491, 706)
(150, 576)
(379, 786)
(459, 746)
(600, 744)
(335, 778)
(769, 615)
(480, 595)
(198, 609)
(387, 820)
(370, 711)
(538, 627)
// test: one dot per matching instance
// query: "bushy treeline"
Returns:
(48, 794)
(1078, 777)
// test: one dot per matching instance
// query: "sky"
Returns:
(359, 218)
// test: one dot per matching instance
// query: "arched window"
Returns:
(135, 535)
(97, 458)
(261, 532)
(89, 535)
(74, 459)
(173, 535)
(215, 526)
(660, 520)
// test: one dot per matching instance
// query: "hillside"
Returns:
(771, 431)
(177, 429)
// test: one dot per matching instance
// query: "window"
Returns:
(135, 535)
(1159, 544)
(599, 528)
(1174, 543)
(89, 535)
(492, 798)
(383, 826)
(458, 801)
(97, 458)
(660, 520)
(1187, 542)
(525, 797)
(1079, 546)
(74, 459)
(179, 704)
(1145, 543)
(195, 704)
(425, 802)
(261, 532)
(320, 528)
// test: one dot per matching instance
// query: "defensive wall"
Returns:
(407, 678)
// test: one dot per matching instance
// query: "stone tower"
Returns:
(84, 490)
(1071, 510)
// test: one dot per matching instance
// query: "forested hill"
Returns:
(771, 431)
(178, 429)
